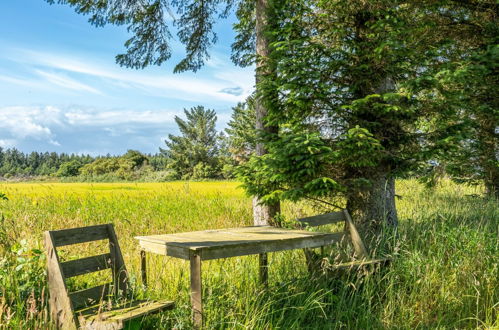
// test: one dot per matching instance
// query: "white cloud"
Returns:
(7, 143)
(28, 122)
(39, 123)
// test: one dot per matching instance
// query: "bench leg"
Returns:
(196, 291)
(143, 267)
(264, 269)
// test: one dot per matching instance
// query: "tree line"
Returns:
(199, 152)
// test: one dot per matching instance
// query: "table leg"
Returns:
(196, 291)
(143, 267)
(264, 269)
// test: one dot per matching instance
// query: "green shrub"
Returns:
(71, 168)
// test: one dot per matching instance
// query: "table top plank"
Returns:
(231, 242)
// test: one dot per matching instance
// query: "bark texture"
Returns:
(262, 214)
(373, 208)
(489, 153)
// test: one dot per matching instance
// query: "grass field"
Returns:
(444, 272)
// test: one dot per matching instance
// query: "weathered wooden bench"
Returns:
(92, 308)
(362, 257)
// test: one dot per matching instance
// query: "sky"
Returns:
(61, 90)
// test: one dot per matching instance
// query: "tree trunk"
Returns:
(488, 149)
(262, 214)
(374, 207)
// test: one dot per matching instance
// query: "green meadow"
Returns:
(444, 271)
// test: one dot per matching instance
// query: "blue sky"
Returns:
(60, 89)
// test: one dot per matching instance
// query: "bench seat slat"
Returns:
(360, 263)
(79, 235)
(90, 296)
(125, 312)
(322, 219)
(86, 265)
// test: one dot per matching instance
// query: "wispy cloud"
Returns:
(102, 118)
(22, 82)
(66, 82)
(187, 86)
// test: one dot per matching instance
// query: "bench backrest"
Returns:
(64, 303)
(336, 217)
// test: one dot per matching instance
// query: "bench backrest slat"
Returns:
(335, 217)
(86, 265)
(91, 296)
(80, 235)
(64, 303)
(323, 219)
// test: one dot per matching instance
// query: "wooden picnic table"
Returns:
(224, 243)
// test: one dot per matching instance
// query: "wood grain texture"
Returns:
(143, 267)
(61, 308)
(122, 313)
(360, 263)
(86, 265)
(64, 303)
(91, 296)
(79, 235)
(322, 219)
(120, 274)
(360, 249)
(264, 269)
(232, 242)
(196, 290)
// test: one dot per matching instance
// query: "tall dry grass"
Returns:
(444, 272)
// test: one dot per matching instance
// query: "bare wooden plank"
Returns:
(208, 238)
(322, 219)
(235, 242)
(264, 269)
(79, 235)
(358, 245)
(360, 263)
(257, 247)
(122, 313)
(196, 291)
(86, 265)
(61, 308)
(163, 249)
(90, 296)
(143, 267)
(120, 274)
(225, 236)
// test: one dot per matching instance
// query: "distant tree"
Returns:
(241, 132)
(468, 86)
(70, 168)
(477, 157)
(197, 147)
(136, 157)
